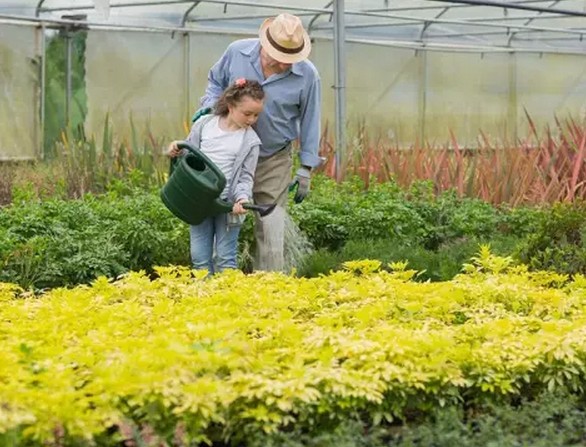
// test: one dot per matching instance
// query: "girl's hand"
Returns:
(172, 150)
(238, 208)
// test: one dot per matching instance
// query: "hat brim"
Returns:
(284, 58)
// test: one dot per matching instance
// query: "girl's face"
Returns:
(245, 112)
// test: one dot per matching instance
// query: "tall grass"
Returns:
(89, 168)
(543, 167)
(550, 167)
(81, 166)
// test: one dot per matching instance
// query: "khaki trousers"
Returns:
(271, 183)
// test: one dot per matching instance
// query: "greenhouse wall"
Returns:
(400, 95)
(147, 84)
(19, 103)
(137, 80)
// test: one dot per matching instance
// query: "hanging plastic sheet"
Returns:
(206, 49)
(137, 81)
(550, 86)
(466, 94)
(382, 90)
(19, 103)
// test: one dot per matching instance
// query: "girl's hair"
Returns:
(236, 92)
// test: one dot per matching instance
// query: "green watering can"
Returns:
(193, 190)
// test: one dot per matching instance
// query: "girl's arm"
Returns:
(246, 179)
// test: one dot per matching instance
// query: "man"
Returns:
(278, 61)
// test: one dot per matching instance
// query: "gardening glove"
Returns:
(201, 112)
(301, 180)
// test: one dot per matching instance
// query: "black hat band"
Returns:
(283, 49)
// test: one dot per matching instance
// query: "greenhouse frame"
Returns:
(406, 70)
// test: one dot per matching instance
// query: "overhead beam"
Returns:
(478, 20)
(427, 24)
(415, 20)
(427, 46)
(186, 14)
(513, 35)
(172, 2)
(317, 16)
(400, 20)
(38, 8)
(497, 33)
(458, 48)
(409, 20)
(513, 5)
(428, 7)
(229, 18)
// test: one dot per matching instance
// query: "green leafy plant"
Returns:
(559, 241)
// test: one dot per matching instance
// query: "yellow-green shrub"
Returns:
(219, 358)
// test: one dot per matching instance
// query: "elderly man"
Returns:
(277, 59)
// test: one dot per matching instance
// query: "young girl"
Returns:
(228, 140)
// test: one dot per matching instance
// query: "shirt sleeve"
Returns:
(310, 125)
(246, 179)
(194, 136)
(218, 80)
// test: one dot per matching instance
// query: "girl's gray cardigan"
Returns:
(240, 186)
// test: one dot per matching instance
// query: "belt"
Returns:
(284, 148)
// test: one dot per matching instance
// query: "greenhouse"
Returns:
(315, 223)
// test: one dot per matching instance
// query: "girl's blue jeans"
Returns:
(202, 238)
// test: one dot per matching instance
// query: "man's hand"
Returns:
(302, 181)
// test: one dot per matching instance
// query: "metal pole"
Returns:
(422, 95)
(42, 93)
(462, 48)
(286, 7)
(428, 7)
(241, 17)
(478, 20)
(38, 8)
(187, 58)
(411, 20)
(317, 16)
(340, 84)
(68, 69)
(513, 98)
(186, 14)
(539, 15)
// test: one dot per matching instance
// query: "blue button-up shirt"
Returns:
(292, 99)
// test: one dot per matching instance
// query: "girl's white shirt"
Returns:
(221, 147)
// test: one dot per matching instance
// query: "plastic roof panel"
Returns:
(473, 25)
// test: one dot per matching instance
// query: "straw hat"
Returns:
(284, 39)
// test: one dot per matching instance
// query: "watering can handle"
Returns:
(181, 145)
(187, 146)
(188, 149)
(263, 210)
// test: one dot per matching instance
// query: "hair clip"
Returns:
(240, 82)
